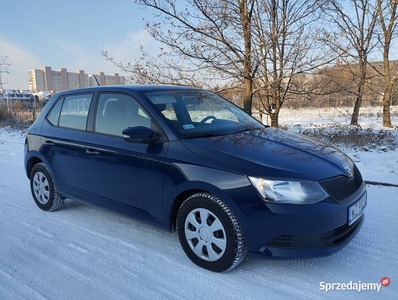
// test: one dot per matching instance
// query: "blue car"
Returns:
(192, 162)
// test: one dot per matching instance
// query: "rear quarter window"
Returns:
(53, 115)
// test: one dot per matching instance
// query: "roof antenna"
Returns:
(95, 77)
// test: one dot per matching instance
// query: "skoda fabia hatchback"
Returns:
(192, 162)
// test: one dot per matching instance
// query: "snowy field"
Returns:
(85, 252)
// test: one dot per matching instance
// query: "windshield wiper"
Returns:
(245, 129)
(251, 129)
(206, 135)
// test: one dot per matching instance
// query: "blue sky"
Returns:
(68, 34)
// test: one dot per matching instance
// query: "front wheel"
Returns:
(43, 189)
(210, 234)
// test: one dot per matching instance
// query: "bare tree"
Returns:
(261, 46)
(287, 43)
(354, 41)
(202, 39)
(387, 11)
(160, 68)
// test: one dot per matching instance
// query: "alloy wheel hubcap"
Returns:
(41, 188)
(205, 234)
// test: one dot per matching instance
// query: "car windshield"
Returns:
(201, 113)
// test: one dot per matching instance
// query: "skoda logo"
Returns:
(347, 168)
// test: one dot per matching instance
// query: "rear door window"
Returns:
(74, 111)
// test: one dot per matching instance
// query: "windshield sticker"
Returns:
(188, 126)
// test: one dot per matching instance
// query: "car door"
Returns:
(63, 133)
(124, 175)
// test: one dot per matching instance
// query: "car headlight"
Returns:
(293, 192)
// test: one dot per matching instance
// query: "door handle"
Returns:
(49, 143)
(92, 151)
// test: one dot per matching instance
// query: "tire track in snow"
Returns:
(276, 272)
(140, 250)
(13, 272)
(5, 274)
(78, 248)
(66, 266)
(44, 238)
(41, 231)
(136, 240)
(137, 260)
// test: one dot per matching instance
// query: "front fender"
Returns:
(234, 189)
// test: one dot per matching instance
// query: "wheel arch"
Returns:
(33, 158)
(191, 188)
(176, 206)
(32, 161)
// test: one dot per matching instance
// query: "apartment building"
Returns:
(46, 79)
(102, 79)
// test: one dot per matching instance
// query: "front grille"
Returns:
(318, 240)
(342, 187)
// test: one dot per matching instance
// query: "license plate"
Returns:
(355, 211)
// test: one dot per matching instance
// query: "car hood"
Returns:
(274, 153)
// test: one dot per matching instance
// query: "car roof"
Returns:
(137, 88)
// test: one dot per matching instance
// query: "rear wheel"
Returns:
(210, 234)
(43, 189)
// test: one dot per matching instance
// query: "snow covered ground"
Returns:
(85, 252)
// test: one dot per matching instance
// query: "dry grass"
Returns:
(16, 117)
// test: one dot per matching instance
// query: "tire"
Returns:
(43, 189)
(210, 234)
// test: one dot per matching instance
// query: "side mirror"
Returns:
(139, 134)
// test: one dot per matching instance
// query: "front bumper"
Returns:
(311, 244)
(299, 231)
